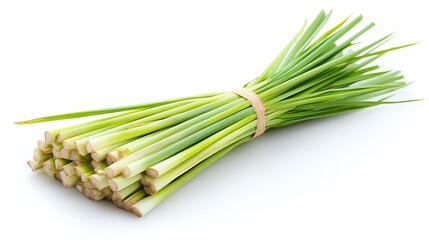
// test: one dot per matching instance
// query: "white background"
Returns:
(363, 175)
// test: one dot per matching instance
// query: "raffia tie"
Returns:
(258, 107)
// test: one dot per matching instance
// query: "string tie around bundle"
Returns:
(257, 106)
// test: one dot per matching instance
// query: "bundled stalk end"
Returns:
(34, 165)
(153, 173)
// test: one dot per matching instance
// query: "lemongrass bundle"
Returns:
(141, 154)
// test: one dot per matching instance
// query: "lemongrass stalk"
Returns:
(101, 154)
(100, 165)
(178, 115)
(119, 204)
(99, 181)
(145, 205)
(69, 143)
(57, 153)
(89, 185)
(83, 168)
(81, 160)
(87, 193)
(234, 122)
(35, 165)
(39, 156)
(306, 62)
(182, 130)
(122, 194)
(46, 148)
(79, 142)
(202, 150)
(81, 146)
(134, 198)
(89, 129)
(127, 118)
(60, 163)
(148, 190)
(97, 195)
(57, 146)
(51, 135)
(338, 96)
(349, 73)
(107, 191)
(112, 157)
(311, 58)
(75, 156)
(118, 183)
(114, 109)
(100, 168)
(57, 177)
(135, 145)
(156, 184)
(80, 186)
(270, 93)
(124, 152)
(85, 176)
(95, 164)
(108, 197)
(65, 153)
(145, 179)
(136, 163)
(171, 110)
(49, 167)
(69, 169)
(277, 61)
(69, 180)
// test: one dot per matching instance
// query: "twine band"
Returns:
(257, 106)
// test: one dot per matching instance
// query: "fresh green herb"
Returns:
(153, 149)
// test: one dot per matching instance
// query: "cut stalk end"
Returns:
(112, 157)
(151, 172)
(89, 147)
(126, 173)
(113, 185)
(34, 165)
(48, 137)
(136, 212)
(68, 145)
(110, 173)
